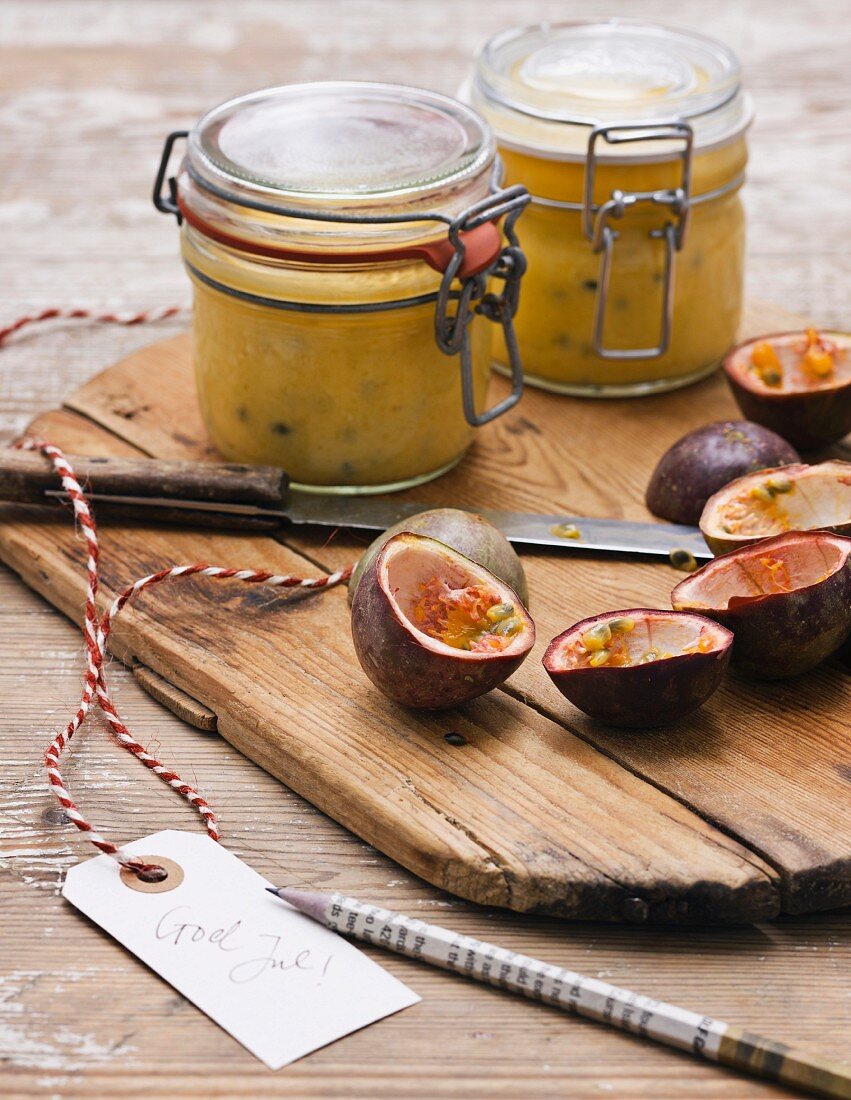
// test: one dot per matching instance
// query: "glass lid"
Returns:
(341, 142)
(543, 87)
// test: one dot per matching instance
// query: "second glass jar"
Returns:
(631, 140)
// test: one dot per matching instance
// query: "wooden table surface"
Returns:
(87, 91)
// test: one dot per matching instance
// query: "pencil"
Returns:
(702, 1035)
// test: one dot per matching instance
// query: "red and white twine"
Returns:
(108, 317)
(96, 633)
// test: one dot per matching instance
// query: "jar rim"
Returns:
(340, 143)
(544, 87)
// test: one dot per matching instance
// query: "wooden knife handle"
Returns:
(25, 476)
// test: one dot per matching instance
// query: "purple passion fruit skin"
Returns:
(433, 629)
(806, 401)
(468, 532)
(640, 667)
(704, 460)
(771, 502)
(786, 599)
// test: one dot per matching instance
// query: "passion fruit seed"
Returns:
(507, 627)
(597, 638)
(763, 493)
(766, 364)
(622, 626)
(500, 611)
(780, 485)
(683, 560)
(566, 531)
(818, 362)
(601, 657)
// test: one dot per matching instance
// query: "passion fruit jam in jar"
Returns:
(348, 246)
(631, 139)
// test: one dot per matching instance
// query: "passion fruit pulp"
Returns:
(787, 600)
(787, 498)
(433, 629)
(639, 667)
(798, 384)
(468, 532)
(701, 462)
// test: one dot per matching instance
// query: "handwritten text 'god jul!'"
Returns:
(176, 928)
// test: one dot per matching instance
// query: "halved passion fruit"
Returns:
(433, 628)
(787, 600)
(639, 667)
(786, 498)
(468, 532)
(798, 384)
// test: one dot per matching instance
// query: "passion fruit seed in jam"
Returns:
(796, 383)
(787, 600)
(432, 628)
(791, 498)
(706, 459)
(640, 667)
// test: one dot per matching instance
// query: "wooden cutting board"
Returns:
(737, 813)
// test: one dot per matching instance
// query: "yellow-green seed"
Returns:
(683, 560)
(763, 493)
(500, 611)
(779, 485)
(566, 531)
(622, 626)
(601, 657)
(771, 377)
(507, 626)
(598, 637)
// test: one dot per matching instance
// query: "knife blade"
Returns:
(368, 513)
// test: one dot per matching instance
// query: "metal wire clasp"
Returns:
(596, 219)
(457, 304)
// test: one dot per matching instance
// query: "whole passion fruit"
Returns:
(432, 628)
(639, 667)
(704, 460)
(796, 383)
(468, 532)
(788, 498)
(787, 600)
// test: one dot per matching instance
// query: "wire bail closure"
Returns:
(471, 295)
(596, 219)
(452, 329)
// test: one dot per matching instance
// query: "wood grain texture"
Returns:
(521, 816)
(722, 762)
(86, 92)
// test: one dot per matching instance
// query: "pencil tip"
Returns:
(273, 890)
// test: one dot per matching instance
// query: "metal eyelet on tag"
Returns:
(173, 878)
(596, 225)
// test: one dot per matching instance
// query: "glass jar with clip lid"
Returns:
(631, 139)
(349, 246)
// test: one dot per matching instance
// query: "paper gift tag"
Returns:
(280, 983)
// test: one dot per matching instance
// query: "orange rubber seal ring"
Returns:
(482, 248)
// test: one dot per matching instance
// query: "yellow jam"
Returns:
(555, 322)
(635, 104)
(315, 232)
(335, 399)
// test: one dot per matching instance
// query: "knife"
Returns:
(231, 495)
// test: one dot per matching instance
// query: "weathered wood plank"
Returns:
(537, 459)
(523, 815)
